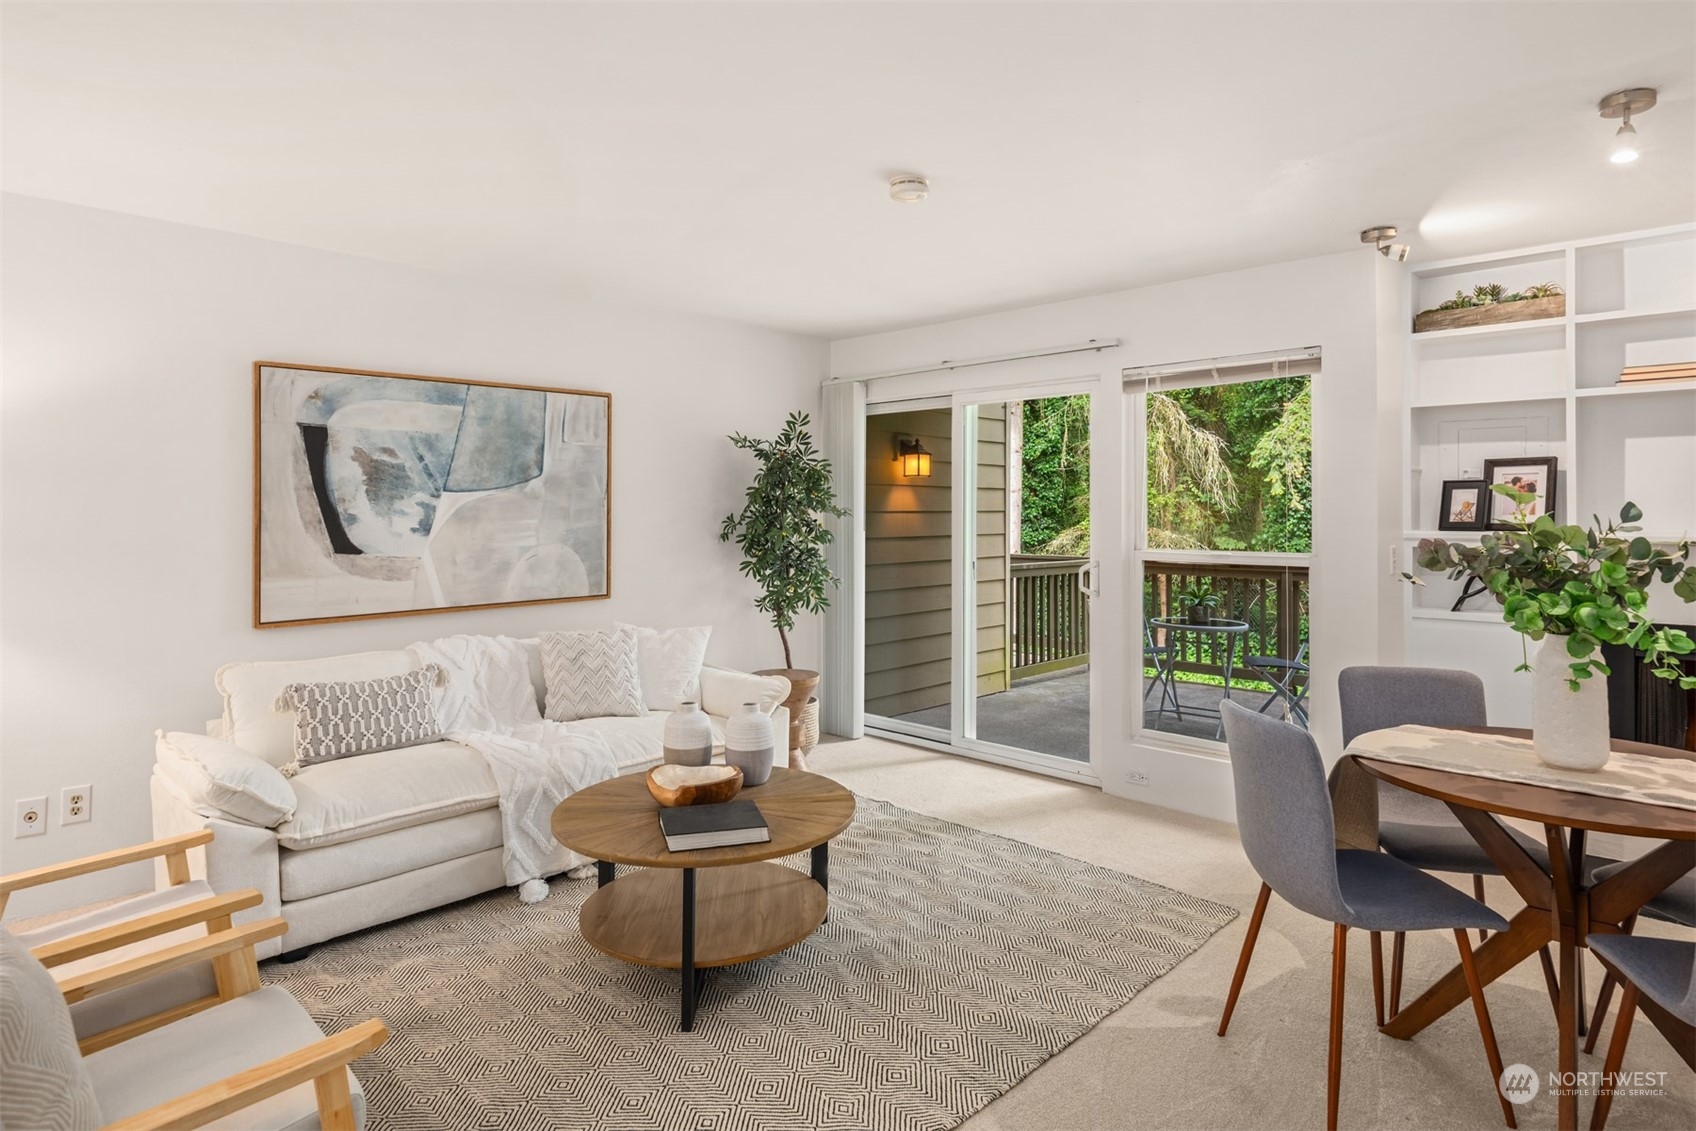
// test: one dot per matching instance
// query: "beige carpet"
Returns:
(1156, 1063)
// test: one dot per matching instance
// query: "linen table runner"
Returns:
(1629, 777)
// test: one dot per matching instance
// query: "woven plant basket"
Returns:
(810, 725)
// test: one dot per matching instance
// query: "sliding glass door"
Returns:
(979, 576)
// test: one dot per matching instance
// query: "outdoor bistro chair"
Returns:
(1413, 828)
(1662, 970)
(1284, 819)
(1288, 679)
(1160, 657)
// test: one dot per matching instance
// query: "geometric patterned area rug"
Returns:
(953, 963)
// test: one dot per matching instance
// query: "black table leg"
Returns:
(821, 872)
(604, 873)
(690, 987)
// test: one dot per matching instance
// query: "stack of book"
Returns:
(1676, 371)
(713, 826)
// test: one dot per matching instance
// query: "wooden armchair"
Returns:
(239, 1047)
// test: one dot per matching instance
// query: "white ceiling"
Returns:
(731, 159)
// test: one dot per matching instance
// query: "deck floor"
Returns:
(1050, 713)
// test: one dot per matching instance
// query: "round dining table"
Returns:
(1561, 905)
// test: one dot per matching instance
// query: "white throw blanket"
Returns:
(487, 702)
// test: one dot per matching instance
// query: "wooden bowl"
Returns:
(673, 786)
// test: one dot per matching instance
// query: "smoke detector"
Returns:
(908, 188)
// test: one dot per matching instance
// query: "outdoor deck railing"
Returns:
(1049, 617)
(1271, 599)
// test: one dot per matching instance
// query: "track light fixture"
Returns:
(1380, 237)
(1623, 104)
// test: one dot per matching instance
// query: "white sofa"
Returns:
(352, 843)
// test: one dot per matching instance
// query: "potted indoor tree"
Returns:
(782, 534)
(1575, 590)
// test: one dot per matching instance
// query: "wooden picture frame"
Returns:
(380, 494)
(1537, 472)
(1464, 504)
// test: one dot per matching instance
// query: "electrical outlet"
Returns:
(76, 804)
(32, 816)
(1136, 777)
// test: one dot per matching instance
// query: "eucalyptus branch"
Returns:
(1587, 585)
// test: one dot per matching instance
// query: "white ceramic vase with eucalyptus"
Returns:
(1569, 729)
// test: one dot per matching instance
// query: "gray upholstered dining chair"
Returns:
(1285, 822)
(1677, 904)
(1662, 970)
(1415, 829)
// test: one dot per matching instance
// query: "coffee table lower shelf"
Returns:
(690, 919)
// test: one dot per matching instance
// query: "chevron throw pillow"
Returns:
(591, 675)
(340, 720)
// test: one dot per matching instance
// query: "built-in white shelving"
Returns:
(1550, 387)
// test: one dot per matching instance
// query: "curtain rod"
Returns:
(1234, 361)
(1051, 351)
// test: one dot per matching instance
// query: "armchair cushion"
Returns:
(219, 778)
(723, 691)
(209, 1046)
(44, 1081)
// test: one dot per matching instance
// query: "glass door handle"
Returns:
(1086, 579)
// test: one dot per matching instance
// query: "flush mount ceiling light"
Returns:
(1623, 104)
(908, 188)
(1380, 238)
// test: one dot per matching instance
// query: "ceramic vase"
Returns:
(749, 743)
(1569, 729)
(688, 736)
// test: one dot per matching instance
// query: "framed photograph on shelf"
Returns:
(1464, 504)
(1532, 475)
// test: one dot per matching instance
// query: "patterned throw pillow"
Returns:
(45, 1083)
(340, 720)
(591, 675)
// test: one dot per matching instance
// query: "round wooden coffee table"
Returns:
(742, 907)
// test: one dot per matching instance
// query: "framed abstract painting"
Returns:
(389, 494)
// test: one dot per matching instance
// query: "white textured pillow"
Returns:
(591, 675)
(45, 1083)
(669, 664)
(221, 778)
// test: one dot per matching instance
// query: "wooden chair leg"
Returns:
(1578, 976)
(1485, 1029)
(1603, 998)
(1549, 979)
(1378, 977)
(1396, 972)
(1616, 1057)
(1247, 953)
(1334, 1066)
(1478, 894)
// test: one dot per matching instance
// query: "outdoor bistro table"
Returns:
(1220, 629)
(1560, 904)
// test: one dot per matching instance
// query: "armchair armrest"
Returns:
(324, 1063)
(75, 947)
(173, 848)
(146, 966)
(723, 691)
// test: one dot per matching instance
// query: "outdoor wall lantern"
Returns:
(914, 460)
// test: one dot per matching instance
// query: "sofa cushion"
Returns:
(250, 690)
(310, 872)
(360, 797)
(207, 1047)
(221, 779)
(591, 674)
(346, 718)
(669, 663)
(634, 741)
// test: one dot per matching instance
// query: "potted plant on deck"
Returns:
(1575, 590)
(782, 534)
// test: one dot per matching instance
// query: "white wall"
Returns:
(1335, 302)
(125, 456)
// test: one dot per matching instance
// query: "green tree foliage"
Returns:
(1054, 503)
(781, 529)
